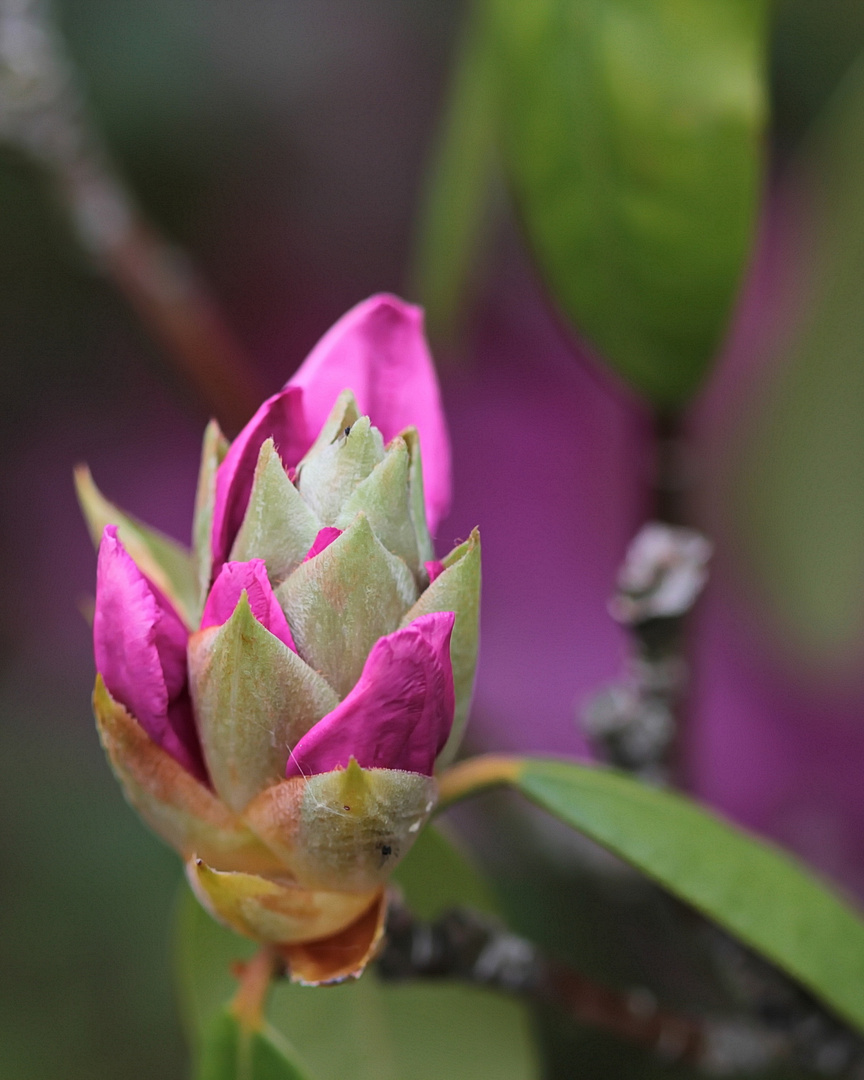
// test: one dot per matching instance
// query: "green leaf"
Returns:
(755, 891)
(632, 137)
(453, 214)
(168, 564)
(369, 1030)
(798, 500)
(232, 1052)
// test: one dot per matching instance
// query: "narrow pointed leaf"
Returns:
(457, 589)
(167, 563)
(751, 888)
(385, 498)
(632, 136)
(254, 698)
(213, 452)
(279, 526)
(232, 1052)
(339, 603)
(328, 477)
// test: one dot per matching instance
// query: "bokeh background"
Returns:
(285, 144)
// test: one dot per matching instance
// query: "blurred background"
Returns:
(285, 146)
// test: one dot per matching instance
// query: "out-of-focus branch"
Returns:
(255, 977)
(469, 947)
(42, 112)
(636, 723)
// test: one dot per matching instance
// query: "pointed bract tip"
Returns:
(237, 579)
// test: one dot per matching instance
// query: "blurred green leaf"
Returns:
(73, 929)
(632, 132)
(747, 886)
(369, 1030)
(799, 481)
(453, 210)
(231, 1052)
(810, 55)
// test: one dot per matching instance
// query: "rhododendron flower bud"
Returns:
(275, 701)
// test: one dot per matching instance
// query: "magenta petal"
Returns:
(323, 540)
(399, 714)
(181, 739)
(281, 418)
(139, 642)
(235, 578)
(434, 568)
(378, 350)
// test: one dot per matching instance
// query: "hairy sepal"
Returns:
(254, 698)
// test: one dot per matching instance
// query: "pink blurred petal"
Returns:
(124, 636)
(181, 738)
(233, 579)
(171, 639)
(323, 540)
(378, 350)
(399, 714)
(281, 418)
(434, 568)
(139, 643)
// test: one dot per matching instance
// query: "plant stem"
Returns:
(670, 508)
(476, 774)
(43, 113)
(638, 723)
(469, 947)
(669, 493)
(256, 977)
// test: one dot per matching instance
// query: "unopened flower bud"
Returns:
(275, 702)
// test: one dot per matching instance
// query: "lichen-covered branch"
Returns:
(636, 723)
(469, 947)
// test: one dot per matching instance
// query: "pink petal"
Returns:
(235, 578)
(139, 643)
(399, 714)
(181, 739)
(378, 350)
(434, 568)
(280, 418)
(324, 539)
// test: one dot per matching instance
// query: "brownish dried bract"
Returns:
(181, 810)
(342, 956)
